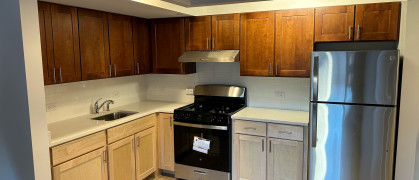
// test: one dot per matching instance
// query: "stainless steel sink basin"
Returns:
(115, 115)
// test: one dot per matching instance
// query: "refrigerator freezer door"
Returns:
(360, 77)
(352, 142)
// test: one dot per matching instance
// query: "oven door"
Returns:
(219, 154)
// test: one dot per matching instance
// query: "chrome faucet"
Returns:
(97, 107)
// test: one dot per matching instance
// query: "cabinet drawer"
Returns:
(130, 128)
(249, 127)
(72, 149)
(286, 131)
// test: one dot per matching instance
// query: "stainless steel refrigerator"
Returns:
(353, 107)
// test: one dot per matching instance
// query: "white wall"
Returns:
(262, 91)
(407, 162)
(23, 131)
(69, 100)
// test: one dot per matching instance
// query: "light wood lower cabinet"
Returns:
(277, 153)
(122, 159)
(285, 159)
(251, 157)
(145, 153)
(166, 142)
(91, 166)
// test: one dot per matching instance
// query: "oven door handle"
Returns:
(224, 128)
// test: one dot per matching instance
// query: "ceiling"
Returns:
(126, 7)
(195, 3)
(180, 8)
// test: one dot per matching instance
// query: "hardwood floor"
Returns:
(160, 177)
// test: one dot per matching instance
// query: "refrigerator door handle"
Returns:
(315, 79)
(313, 123)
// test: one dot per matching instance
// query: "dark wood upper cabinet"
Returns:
(257, 43)
(225, 32)
(294, 42)
(168, 44)
(65, 43)
(141, 36)
(44, 12)
(334, 23)
(377, 21)
(198, 33)
(121, 45)
(94, 44)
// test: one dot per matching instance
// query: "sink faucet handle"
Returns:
(97, 106)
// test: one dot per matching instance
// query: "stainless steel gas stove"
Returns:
(203, 133)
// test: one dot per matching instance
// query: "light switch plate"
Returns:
(280, 94)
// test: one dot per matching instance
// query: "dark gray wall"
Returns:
(16, 160)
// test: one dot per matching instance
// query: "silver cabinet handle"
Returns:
(350, 32)
(207, 44)
(315, 78)
(110, 70)
(114, 70)
(276, 69)
(133, 144)
(357, 32)
(313, 124)
(61, 75)
(284, 132)
(105, 158)
(250, 128)
(263, 145)
(55, 78)
(213, 43)
(171, 124)
(138, 67)
(270, 68)
(138, 142)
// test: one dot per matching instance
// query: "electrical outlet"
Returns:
(51, 107)
(280, 94)
(115, 94)
(189, 91)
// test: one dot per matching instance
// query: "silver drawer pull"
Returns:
(250, 128)
(200, 172)
(284, 132)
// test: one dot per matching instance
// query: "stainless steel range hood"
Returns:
(210, 56)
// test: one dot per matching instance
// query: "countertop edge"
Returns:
(270, 121)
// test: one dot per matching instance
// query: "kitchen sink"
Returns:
(115, 115)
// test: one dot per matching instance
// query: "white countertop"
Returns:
(73, 128)
(300, 118)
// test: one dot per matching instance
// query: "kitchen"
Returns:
(61, 102)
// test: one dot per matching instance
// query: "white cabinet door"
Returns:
(285, 159)
(250, 157)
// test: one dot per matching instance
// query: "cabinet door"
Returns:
(250, 160)
(141, 34)
(377, 21)
(166, 142)
(44, 13)
(198, 33)
(257, 43)
(122, 159)
(225, 32)
(145, 152)
(168, 44)
(121, 47)
(294, 42)
(91, 166)
(66, 43)
(94, 44)
(334, 23)
(285, 159)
